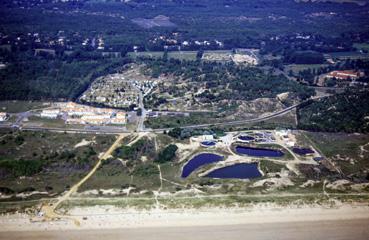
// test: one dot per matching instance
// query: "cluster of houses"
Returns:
(113, 90)
(99, 43)
(49, 44)
(173, 41)
(74, 113)
(145, 86)
(241, 56)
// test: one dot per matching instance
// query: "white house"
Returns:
(96, 119)
(120, 118)
(3, 116)
(50, 113)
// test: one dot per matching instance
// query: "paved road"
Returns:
(141, 120)
(238, 122)
(20, 117)
(335, 230)
(141, 127)
(87, 130)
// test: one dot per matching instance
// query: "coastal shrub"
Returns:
(145, 170)
(167, 154)
(22, 167)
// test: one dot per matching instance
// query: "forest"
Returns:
(29, 77)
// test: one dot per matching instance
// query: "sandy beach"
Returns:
(314, 230)
(108, 217)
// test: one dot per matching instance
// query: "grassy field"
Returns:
(349, 55)
(132, 166)
(116, 175)
(46, 122)
(362, 46)
(218, 51)
(215, 201)
(183, 55)
(344, 144)
(21, 106)
(145, 54)
(349, 151)
(180, 55)
(285, 121)
(194, 202)
(270, 167)
(173, 121)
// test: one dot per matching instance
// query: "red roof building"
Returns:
(345, 75)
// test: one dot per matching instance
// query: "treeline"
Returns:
(195, 20)
(306, 57)
(346, 112)
(27, 77)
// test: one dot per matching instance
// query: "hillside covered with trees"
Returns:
(29, 77)
(346, 112)
(227, 81)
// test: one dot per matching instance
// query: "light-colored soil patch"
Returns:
(275, 182)
(309, 183)
(83, 143)
(338, 185)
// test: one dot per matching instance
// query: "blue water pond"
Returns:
(208, 143)
(240, 171)
(303, 151)
(259, 152)
(246, 138)
(198, 161)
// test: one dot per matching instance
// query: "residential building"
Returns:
(345, 75)
(120, 118)
(50, 113)
(3, 116)
(96, 119)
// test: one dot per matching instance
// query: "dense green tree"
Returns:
(167, 154)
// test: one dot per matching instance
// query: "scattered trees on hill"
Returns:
(346, 112)
(228, 81)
